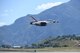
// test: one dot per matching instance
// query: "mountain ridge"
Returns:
(21, 32)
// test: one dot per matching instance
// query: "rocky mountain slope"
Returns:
(21, 32)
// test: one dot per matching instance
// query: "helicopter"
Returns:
(42, 22)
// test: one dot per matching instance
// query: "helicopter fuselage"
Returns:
(39, 23)
(42, 22)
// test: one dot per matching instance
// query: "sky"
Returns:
(10, 10)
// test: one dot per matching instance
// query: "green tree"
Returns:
(34, 45)
(56, 45)
(5, 46)
(41, 46)
(26, 46)
(64, 45)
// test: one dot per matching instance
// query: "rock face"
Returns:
(21, 32)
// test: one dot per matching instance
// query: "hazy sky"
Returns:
(10, 10)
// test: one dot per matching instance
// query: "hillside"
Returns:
(59, 41)
(21, 32)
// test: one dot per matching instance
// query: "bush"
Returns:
(56, 45)
(6, 46)
(65, 46)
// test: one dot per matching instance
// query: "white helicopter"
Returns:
(42, 23)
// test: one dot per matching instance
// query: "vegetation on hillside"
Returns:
(59, 41)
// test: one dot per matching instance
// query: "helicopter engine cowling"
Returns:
(39, 23)
(43, 24)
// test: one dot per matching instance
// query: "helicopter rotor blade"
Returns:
(33, 18)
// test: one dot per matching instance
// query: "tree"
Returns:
(5, 46)
(34, 45)
(41, 46)
(65, 46)
(78, 38)
(26, 46)
(56, 45)
(46, 42)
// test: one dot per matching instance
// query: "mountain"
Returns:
(21, 32)
(60, 41)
